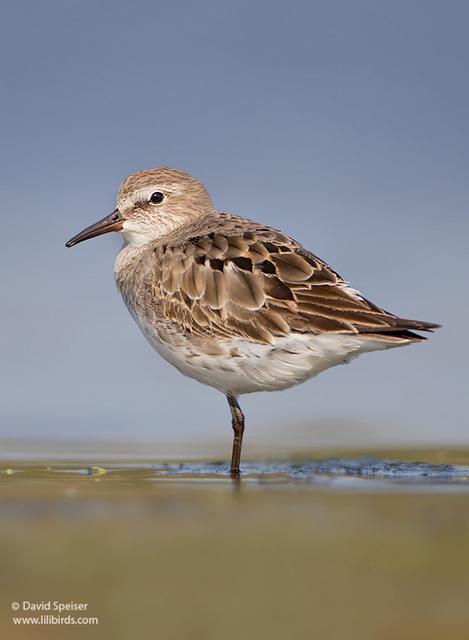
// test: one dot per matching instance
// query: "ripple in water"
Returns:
(340, 470)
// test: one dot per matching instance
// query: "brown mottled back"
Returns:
(230, 277)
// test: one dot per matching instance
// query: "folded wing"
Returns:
(253, 282)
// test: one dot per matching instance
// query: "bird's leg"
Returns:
(237, 421)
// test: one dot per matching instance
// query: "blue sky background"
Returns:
(343, 123)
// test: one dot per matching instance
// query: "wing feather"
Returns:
(236, 278)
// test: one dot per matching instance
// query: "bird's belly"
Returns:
(241, 366)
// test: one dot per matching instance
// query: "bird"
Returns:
(233, 303)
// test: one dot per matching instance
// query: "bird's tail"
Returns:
(402, 329)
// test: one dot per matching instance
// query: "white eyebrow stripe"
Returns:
(140, 195)
(144, 194)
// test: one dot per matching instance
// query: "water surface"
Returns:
(356, 544)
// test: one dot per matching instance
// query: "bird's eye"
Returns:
(157, 197)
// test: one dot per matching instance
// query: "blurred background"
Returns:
(343, 123)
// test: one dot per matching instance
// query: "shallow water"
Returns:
(362, 546)
(342, 473)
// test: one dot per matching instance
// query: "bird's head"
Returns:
(151, 204)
